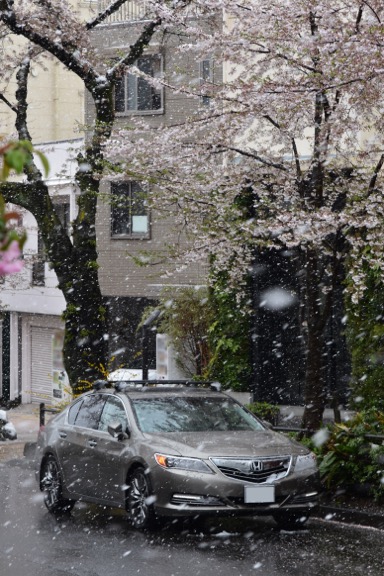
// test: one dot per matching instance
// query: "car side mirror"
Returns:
(115, 429)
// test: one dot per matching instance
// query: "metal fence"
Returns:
(131, 11)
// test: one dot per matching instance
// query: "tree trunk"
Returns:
(314, 393)
(85, 351)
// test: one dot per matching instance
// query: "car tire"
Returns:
(52, 486)
(139, 506)
(291, 520)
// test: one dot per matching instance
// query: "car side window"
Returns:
(90, 411)
(113, 411)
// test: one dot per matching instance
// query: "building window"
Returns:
(206, 80)
(137, 94)
(129, 211)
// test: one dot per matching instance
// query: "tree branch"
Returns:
(372, 182)
(104, 14)
(80, 67)
(359, 17)
(254, 156)
(136, 49)
(21, 97)
(372, 10)
(8, 103)
(297, 161)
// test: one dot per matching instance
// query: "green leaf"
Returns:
(44, 161)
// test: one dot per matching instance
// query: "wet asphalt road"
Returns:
(98, 542)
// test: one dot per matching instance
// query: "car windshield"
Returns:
(189, 414)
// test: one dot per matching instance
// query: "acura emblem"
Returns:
(256, 466)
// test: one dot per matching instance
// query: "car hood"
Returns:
(206, 444)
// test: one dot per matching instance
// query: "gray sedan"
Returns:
(172, 450)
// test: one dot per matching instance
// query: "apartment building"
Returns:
(32, 329)
(128, 232)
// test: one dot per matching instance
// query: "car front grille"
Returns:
(256, 470)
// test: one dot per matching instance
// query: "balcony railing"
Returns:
(130, 11)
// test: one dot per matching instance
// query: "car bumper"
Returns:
(180, 494)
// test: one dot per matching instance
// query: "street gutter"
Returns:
(350, 516)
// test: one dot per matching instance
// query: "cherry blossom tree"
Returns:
(288, 117)
(55, 30)
(292, 113)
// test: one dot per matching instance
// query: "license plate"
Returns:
(259, 494)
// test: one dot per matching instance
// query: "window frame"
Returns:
(92, 406)
(125, 78)
(132, 235)
(205, 79)
(105, 416)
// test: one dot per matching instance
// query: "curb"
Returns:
(350, 516)
(11, 449)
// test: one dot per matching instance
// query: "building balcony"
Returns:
(129, 12)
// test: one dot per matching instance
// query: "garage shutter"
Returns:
(41, 364)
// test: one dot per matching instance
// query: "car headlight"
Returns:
(306, 462)
(181, 463)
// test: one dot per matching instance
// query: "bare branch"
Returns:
(278, 166)
(64, 55)
(359, 17)
(297, 160)
(372, 10)
(372, 183)
(8, 103)
(112, 8)
(136, 49)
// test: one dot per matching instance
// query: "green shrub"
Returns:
(349, 459)
(265, 411)
(209, 332)
(365, 335)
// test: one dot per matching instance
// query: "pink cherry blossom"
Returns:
(10, 261)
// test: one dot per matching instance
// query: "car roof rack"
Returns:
(163, 385)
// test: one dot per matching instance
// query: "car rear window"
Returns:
(188, 414)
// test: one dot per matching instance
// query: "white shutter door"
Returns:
(41, 365)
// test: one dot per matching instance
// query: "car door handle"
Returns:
(63, 434)
(92, 443)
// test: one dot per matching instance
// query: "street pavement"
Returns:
(357, 509)
(25, 419)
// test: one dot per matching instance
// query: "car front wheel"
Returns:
(51, 485)
(139, 501)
